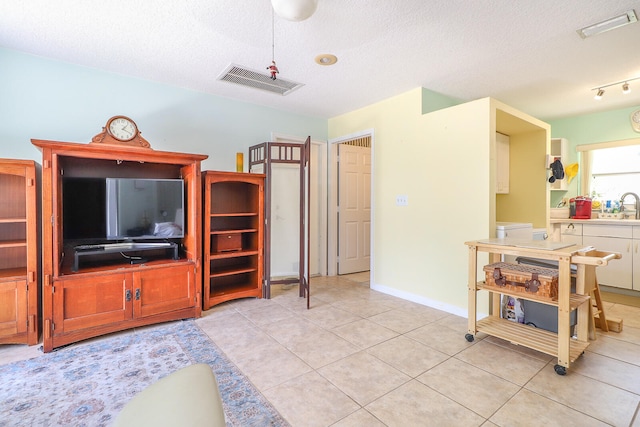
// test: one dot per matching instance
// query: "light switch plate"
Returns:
(402, 200)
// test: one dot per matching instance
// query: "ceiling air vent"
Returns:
(250, 78)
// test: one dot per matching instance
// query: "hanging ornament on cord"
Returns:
(273, 70)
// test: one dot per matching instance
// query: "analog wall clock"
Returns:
(121, 130)
(635, 120)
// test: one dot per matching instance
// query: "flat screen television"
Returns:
(123, 208)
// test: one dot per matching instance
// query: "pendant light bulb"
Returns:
(294, 10)
(625, 88)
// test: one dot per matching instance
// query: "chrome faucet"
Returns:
(637, 202)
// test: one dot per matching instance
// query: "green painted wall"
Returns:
(606, 126)
(45, 99)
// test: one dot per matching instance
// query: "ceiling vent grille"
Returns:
(254, 79)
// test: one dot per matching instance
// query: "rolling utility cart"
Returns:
(561, 344)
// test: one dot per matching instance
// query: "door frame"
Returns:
(318, 167)
(332, 233)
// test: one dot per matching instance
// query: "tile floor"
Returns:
(362, 358)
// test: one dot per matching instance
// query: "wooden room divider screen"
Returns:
(262, 157)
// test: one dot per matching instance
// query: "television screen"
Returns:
(84, 208)
(144, 208)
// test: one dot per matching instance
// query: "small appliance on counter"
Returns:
(580, 208)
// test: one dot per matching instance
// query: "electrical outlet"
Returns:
(402, 200)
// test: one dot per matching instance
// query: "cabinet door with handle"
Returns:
(162, 290)
(617, 273)
(89, 301)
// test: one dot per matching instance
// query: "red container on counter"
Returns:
(580, 208)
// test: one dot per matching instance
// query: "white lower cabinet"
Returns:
(612, 238)
(635, 248)
(571, 232)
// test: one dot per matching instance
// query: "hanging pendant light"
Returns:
(294, 10)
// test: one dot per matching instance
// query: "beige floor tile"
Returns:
(363, 276)
(291, 329)
(363, 377)
(359, 419)
(591, 397)
(364, 333)
(226, 329)
(529, 409)
(244, 304)
(415, 404)
(607, 370)
(310, 400)
(329, 317)
(270, 313)
(636, 419)
(400, 321)
(520, 349)
(507, 364)
(251, 339)
(441, 338)
(628, 334)
(362, 307)
(407, 355)
(628, 314)
(451, 321)
(320, 349)
(472, 387)
(270, 368)
(10, 353)
(611, 346)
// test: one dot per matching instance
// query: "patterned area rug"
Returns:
(88, 384)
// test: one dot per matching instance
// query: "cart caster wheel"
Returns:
(469, 337)
(560, 370)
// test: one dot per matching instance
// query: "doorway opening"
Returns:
(350, 235)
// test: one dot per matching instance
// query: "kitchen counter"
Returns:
(603, 221)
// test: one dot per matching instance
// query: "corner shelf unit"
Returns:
(19, 289)
(233, 236)
(558, 151)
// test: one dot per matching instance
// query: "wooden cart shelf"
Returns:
(575, 300)
(562, 345)
(529, 336)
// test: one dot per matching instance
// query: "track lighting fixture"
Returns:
(599, 94)
(625, 87)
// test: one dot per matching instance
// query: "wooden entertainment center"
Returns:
(110, 293)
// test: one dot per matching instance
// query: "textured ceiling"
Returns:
(524, 53)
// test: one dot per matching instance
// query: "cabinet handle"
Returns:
(137, 294)
(128, 295)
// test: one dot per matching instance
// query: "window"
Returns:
(611, 169)
(615, 171)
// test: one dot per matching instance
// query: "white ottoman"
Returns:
(187, 397)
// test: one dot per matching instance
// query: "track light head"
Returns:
(625, 88)
(599, 94)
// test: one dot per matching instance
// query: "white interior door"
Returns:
(354, 208)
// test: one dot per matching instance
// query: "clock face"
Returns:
(635, 120)
(122, 128)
